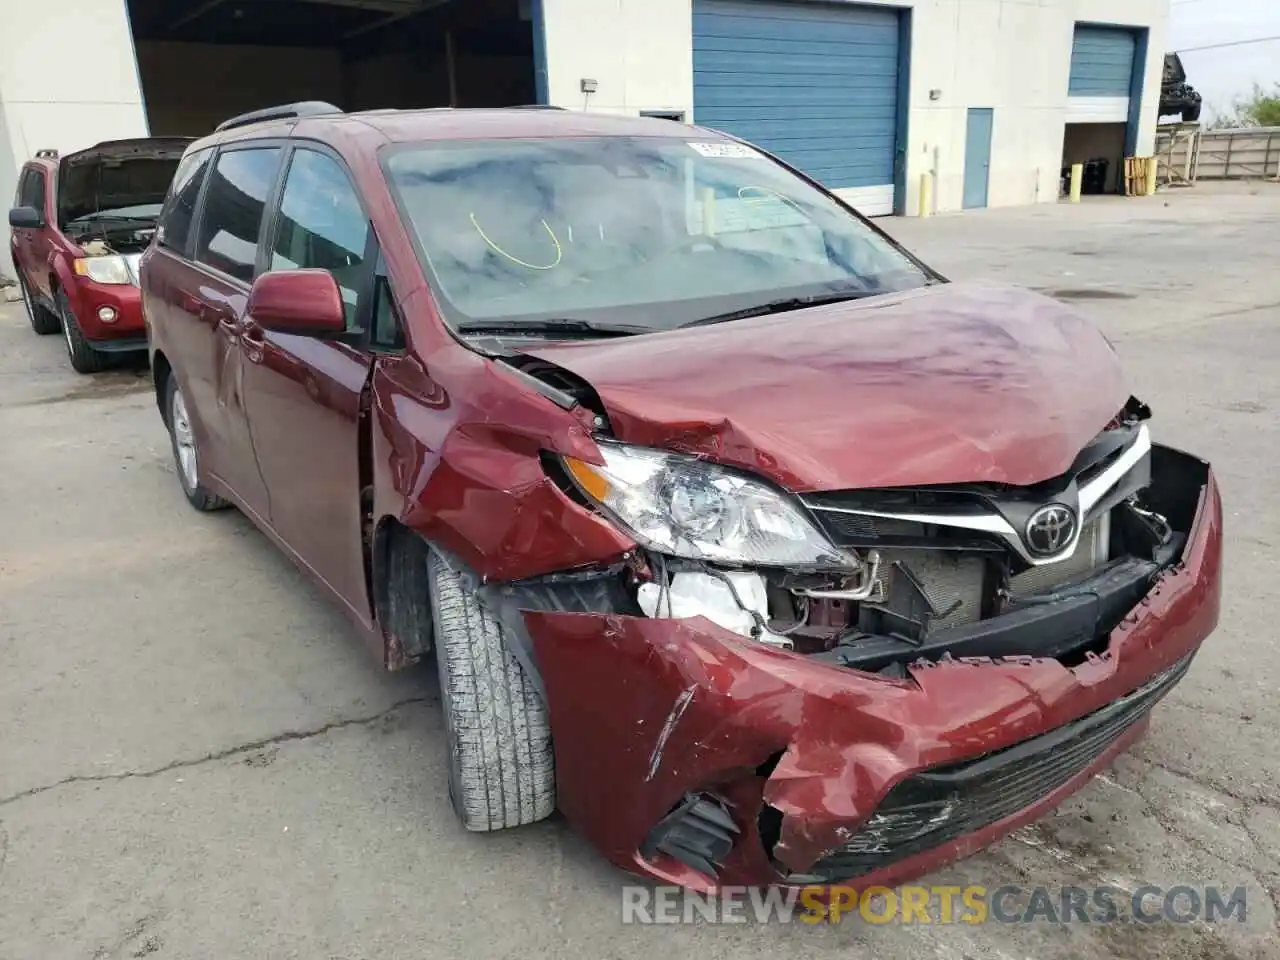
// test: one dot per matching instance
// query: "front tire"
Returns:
(43, 320)
(501, 766)
(186, 455)
(84, 359)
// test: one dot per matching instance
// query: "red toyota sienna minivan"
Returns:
(740, 536)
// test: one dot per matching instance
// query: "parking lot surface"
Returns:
(199, 760)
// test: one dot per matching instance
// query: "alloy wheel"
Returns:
(184, 441)
(67, 321)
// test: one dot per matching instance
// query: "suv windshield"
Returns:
(652, 233)
(130, 188)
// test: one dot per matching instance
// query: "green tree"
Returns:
(1260, 109)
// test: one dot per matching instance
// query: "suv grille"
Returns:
(938, 805)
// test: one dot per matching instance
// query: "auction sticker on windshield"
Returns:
(727, 151)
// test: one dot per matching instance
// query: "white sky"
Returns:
(1222, 75)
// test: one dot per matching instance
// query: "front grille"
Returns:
(847, 528)
(938, 805)
(860, 531)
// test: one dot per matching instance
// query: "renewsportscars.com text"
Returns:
(936, 905)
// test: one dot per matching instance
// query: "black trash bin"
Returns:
(1095, 176)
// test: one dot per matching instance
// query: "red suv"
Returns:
(738, 534)
(79, 226)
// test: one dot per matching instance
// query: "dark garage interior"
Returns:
(202, 61)
(1100, 146)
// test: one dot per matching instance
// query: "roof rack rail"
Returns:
(47, 153)
(534, 106)
(286, 111)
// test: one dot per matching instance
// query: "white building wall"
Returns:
(1010, 55)
(68, 80)
(639, 52)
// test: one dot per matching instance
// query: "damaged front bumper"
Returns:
(693, 755)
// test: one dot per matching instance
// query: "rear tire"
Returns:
(501, 766)
(43, 320)
(186, 455)
(84, 359)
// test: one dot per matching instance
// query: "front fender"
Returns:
(60, 267)
(457, 458)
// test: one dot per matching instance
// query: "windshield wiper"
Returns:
(122, 217)
(497, 328)
(782, 306)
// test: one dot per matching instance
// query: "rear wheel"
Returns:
(186, 455)
(43, 320)
(84, 359)
(501, 768)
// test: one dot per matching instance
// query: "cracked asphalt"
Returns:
(199, 760)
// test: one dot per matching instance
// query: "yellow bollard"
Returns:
(926, 195)
(1153, 168)
(1077, 181)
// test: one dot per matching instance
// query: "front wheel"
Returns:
(84, 359)
(43, 320)
(186, 455)
(501, 767)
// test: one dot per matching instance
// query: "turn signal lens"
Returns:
(592, 482)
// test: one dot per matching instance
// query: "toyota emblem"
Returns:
(1050, 530)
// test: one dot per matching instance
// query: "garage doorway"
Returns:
(1100, 148)
(1104, 103)
(202, 61)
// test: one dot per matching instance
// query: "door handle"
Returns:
(223, 317)
(253, 334)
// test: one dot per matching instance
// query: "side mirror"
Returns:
(25, 218)
(297, 301)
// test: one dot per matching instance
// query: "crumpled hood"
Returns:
(953, 383)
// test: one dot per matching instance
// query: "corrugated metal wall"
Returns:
(1102, 62)
(1102, 75)
(817, 84)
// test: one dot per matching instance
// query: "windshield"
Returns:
(651, 233)
(130, 188)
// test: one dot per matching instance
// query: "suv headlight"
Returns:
(108, 269)
(686, 507)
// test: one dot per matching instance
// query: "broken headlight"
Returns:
(685, 507)
(106, 269)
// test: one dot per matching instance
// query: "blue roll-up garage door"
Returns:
(1101, 74)
(813, 83)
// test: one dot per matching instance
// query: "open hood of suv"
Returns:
(949, 384)
(117, 175)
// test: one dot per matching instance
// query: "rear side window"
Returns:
(322, 225)
(31, 189)
(180, 208)
(233, 210)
